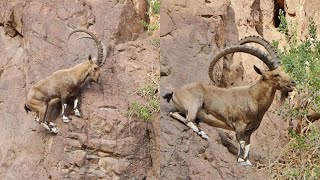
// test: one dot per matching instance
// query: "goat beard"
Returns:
(284, 95)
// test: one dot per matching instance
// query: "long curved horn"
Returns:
(98, 43)
(259, 40)
(265, 58)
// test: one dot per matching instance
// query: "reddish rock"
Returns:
(78, 157)
(33, 44)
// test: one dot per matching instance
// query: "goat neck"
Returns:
(81, 71)
(263, 92)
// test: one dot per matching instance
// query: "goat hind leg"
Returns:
(191, 125)
(35, 105)
(177, 116)
(50, 127)
(191, 117)
(43, 122)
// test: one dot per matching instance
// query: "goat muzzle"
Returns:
(286, 90)
(290, 87)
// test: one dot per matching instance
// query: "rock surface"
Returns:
(300, 13)
(103, 143)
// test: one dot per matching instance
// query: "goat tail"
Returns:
(168, 96)
(26, 108)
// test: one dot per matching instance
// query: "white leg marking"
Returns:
(177, 116)
(75, 104)
(52, 124)
(242, 144)
(75, 107)
(62, 112)
(37, 119)
(65, 119)
(77, 112)
(240, 160)
(203, 135)
(248, 163)
(54, 130)
(244, 163)
(46, 126)
(246, 151)
(193, 127)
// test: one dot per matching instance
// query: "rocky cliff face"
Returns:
(191, 32)
(103, 143)
(299, 12)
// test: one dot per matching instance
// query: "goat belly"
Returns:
(215, 121)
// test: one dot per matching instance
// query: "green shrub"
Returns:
(155, 6)
(153, 12)
(151, 106)
(300, 159)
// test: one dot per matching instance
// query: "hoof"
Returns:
(37, 119)
(246, 163)
(52, 124)
(203, 135)
(65, 119)
(77, 113)
(54, 130)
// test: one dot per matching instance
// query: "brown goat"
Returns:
(239, 109)
(61, 86)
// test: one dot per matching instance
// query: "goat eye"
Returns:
(276, 75)
(95, 68)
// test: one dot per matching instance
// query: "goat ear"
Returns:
(259, 71)
(90, 59)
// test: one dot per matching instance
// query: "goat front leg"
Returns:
(247, 148)
(192, 115)
(75, 108)
(244, 146)
(191, 125)
(65, 119)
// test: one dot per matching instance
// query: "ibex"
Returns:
(62, 85)
(239, 109)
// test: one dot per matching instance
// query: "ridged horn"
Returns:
(259, 40)
(265, 58)
(97, 41)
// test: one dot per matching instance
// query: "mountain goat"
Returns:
(238, 109)
(63, 85)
